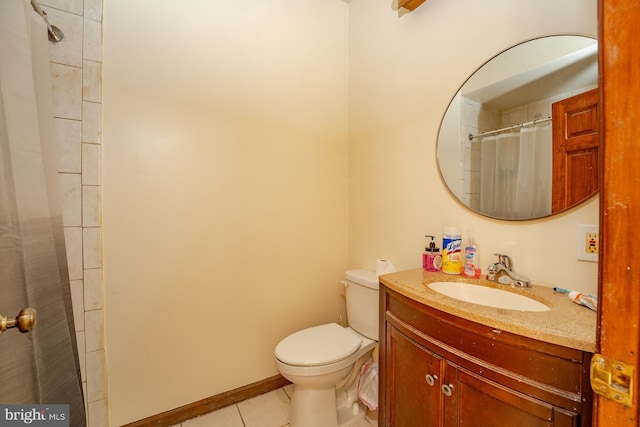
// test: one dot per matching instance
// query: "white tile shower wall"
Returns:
(470, 113)
(76, 67)
(476, 118)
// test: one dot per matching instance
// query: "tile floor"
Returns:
(268, 410)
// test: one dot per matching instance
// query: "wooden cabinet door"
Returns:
(483, 403)
(413, 399)
(440, 370)
(576, 140)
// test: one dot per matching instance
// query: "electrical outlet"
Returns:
(592, 243)
(588, 240)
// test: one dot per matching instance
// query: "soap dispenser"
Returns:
(431, 259)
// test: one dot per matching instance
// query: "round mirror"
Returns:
(520, 139)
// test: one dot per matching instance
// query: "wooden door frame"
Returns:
(619, 281)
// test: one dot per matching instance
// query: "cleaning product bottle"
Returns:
(471, 263)
(431, 259)
(451, 247)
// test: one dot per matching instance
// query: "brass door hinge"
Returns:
(612, 379)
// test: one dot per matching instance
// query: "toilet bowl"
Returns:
(323, 363)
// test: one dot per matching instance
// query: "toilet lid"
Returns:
(318, 345)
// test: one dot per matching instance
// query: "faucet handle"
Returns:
(505, 260)
(493, 270)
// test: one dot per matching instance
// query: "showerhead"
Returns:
(55, 33)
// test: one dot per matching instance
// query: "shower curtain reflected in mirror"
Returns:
(40, 366)
(516, 173)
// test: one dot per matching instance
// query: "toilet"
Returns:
(323, 362)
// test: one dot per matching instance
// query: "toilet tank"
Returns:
(362, 289)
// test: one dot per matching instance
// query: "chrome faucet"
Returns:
(502, 272)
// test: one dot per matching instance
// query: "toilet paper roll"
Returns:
(384, 266)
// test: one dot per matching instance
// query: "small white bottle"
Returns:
(470, 260)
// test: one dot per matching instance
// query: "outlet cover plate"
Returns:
(582, 253)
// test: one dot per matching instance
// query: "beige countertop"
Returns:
(566, 323)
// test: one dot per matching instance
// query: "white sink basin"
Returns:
(490, 297)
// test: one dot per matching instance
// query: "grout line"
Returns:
(240, 413)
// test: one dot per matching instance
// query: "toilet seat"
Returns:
(318, 345)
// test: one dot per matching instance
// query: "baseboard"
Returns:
(204, 406)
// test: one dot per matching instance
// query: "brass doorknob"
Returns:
(25, 321)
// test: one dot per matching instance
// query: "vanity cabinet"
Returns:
(437, 369)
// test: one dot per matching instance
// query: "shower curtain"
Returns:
(40, 366)
(515, 173)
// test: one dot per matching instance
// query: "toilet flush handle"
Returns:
(344, 283)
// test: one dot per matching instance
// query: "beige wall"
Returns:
(254, 150)
(403, 73)
(225, 191)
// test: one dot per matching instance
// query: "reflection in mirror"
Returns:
(498, 134)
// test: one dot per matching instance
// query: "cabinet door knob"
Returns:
(447, 389)
(431, 379)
